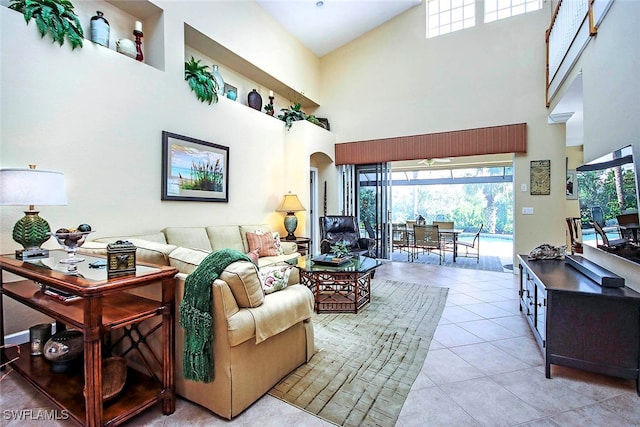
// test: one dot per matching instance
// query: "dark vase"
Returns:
(100, 29)
(254, 100)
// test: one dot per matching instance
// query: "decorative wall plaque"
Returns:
(540, 175)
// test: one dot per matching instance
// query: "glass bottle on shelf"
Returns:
(218, 78)
(100, 29)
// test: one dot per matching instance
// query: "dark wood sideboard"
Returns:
(579, 324)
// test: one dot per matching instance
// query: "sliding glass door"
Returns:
(373, 189)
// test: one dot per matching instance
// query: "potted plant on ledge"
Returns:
(55, 17)
(294, 113)
(201, 81)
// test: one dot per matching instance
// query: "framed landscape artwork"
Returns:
(194, 170)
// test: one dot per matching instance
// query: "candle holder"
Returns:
(138, 35)
(270, 110)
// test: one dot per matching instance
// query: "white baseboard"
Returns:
(22, 336)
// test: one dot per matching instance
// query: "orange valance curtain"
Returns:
(469, 142)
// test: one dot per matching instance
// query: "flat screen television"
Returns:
(607, 189)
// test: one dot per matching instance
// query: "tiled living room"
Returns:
(97, 116)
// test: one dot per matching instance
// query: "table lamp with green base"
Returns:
(290, 204)
(31, 187)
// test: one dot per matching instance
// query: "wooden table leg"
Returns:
(168, 352)
(93, 361)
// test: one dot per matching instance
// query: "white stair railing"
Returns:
(573, 23)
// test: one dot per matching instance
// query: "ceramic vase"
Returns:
(254, 100)
(218, 78)
(100, 29)
(126, 47)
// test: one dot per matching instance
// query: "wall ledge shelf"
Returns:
(202, 43)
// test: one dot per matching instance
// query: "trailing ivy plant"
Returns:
(55, 17)
(201, 81)
(294, 113)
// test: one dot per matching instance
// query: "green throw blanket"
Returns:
(195, 314)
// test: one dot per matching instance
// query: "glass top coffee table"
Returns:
(343, 288)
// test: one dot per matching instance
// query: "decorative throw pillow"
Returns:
(263, 242)
(254, 255)
(274, 278)
(277, 244)
(276, 240)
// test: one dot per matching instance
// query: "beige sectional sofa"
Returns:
(258, 339)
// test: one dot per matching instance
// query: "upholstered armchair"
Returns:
(335, 228)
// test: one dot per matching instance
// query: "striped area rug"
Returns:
(365, 363)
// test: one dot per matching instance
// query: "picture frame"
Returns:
(572, 185)
(193, 169)
(540, 177)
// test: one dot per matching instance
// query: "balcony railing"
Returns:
(573, 23)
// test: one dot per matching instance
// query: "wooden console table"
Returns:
(579, 324)
(103, 308)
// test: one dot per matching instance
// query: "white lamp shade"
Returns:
(32, 187)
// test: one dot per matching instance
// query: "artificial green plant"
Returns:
(340, 249)
(294, 113)
(55, 17)
(201, 81)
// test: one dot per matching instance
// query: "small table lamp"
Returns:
(31, 187)
(290, 204)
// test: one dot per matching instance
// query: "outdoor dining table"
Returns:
(633, 228)
(442, 233)
(453, 233)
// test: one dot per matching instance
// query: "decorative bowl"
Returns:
(114, 376)
(70, 242)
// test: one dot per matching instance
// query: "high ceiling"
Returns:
(324, 26)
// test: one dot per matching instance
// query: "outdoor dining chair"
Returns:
(400, 238)
(426, 239)
(603, 236)
(472, 248)
(446, 239)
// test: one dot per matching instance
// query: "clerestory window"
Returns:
(499, 9)
(446, 16)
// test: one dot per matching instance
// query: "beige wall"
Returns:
(611, 101)
(393, 81)
(610, 68)
(97, 116)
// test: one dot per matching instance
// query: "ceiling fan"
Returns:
(430, 162)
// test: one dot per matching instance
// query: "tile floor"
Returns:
(483, 369)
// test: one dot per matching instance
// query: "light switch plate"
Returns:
(527, 211)
(523, 187)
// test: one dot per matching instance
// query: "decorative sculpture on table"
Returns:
(547, 251)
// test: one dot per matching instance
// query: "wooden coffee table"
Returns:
(344, 288)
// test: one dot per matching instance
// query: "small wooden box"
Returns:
(121, 259)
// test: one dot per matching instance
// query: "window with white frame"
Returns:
(446, 16)
(499, 9)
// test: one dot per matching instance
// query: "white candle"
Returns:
(270, 93)
(138, 26)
